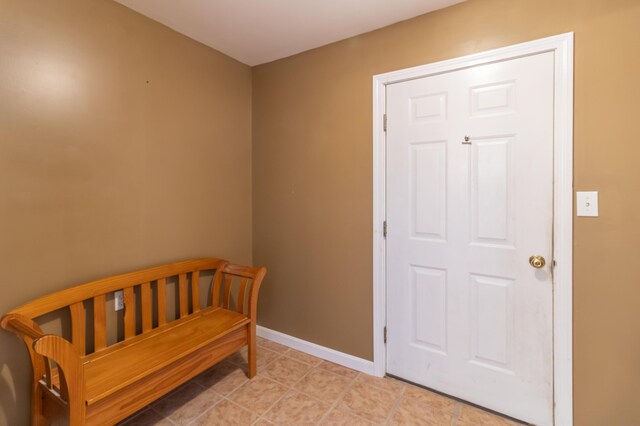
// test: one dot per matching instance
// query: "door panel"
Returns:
(466, 313)
(429, 308)
(429, 190)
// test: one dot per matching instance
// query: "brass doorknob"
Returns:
(537, 261)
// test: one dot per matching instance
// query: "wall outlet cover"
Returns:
(118, 300)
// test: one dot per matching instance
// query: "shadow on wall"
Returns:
(14, 362)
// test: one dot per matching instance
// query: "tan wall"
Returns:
(313, 180)
(102, 172)
(122, 145)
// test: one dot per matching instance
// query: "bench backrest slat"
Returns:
(99, 322)
(161, 289)
(78, 325)
(215, 293)
(195, 291)
(129, 313)
(183, 295)
(147, 306)
(48, 373)
(228, 282)
(243, 288)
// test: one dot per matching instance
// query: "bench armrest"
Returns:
(57, 349)
(21, 325)
(70, 369)
(253, 294)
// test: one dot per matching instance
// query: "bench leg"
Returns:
(251, 356)
(37, 415)
(76, 413)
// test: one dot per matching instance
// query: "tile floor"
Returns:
(293, 388)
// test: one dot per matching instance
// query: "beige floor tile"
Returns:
(430, 398)
(272, 346)
(362, 399)
(226, 413)
(338, 369)
(384, 383)
(258, 394)
(337, 417)
(297, 409)
(303, 357)
(263, 422)
(263, 357)
(147, 417)
(473, 416)
(323, 384)
(187, 403)
(413, 412)
(223, 378)
(286, 370)
(369, 402)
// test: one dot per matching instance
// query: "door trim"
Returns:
(562, 46)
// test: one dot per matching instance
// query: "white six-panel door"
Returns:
(466, 313)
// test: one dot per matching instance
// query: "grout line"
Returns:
(298, 381)
(234, 389)
(374, 384)
(396, 406)
(215, 405)
(197, 382)
(304, 362)
(204, 412)
(456, 413)
(262, 416)
(289, 388)
(338, 400)
(163, 417)
(222, 397)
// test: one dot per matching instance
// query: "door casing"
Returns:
(562, 47)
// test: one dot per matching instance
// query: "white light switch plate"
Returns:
(587, 203)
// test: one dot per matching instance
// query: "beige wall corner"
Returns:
(123, 144)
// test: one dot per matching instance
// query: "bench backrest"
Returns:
(149, 287)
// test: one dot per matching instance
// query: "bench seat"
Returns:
(167, 335)
(109, 371)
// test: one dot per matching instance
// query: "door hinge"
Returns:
(385, 334)
(384, 122)
(384, 229)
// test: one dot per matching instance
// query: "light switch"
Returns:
(587, 203)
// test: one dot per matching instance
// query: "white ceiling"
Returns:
(259, 31)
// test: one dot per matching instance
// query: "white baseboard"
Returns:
(323, 352)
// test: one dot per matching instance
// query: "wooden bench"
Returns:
(154, 355)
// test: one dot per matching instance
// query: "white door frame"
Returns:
(562, 46)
